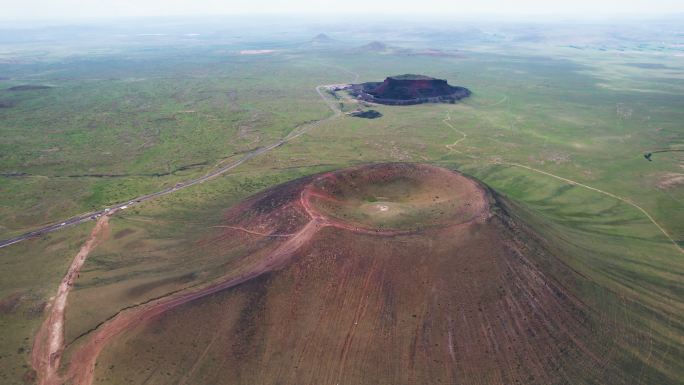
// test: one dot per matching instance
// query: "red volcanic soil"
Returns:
(339, 288)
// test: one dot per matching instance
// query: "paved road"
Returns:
(298, 131)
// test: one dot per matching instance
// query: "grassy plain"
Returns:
(121, 124)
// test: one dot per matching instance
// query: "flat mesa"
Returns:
(409, 89)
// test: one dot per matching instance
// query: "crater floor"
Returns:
(397, 196)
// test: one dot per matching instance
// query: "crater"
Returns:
(397, 196)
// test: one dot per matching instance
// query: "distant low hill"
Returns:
(380, 47)
(322, 41)
(28, 87)
(322, 38)
(374, 46)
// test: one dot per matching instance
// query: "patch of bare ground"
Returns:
(123, 233)
(670, 180)
(10, 303)
(551, 157)
(256, 51)
(335, 293)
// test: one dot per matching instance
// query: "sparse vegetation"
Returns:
(145, 111)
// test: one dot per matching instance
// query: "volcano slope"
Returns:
(381, 274)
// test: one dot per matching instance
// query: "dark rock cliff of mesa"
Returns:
(409, 89)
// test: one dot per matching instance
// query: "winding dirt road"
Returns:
(49, 342)
(447, 121)
(82, 365)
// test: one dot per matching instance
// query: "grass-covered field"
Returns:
(148, 114)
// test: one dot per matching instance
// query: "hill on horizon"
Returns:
(322, 38)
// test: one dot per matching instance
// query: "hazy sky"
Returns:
(85, 9)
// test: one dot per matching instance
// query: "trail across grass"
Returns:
(447, 121)
(624, 200)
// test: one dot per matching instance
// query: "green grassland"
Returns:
(149, 118)
(31, 272)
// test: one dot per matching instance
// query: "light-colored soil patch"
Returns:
(256, 51)
(671, 180)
